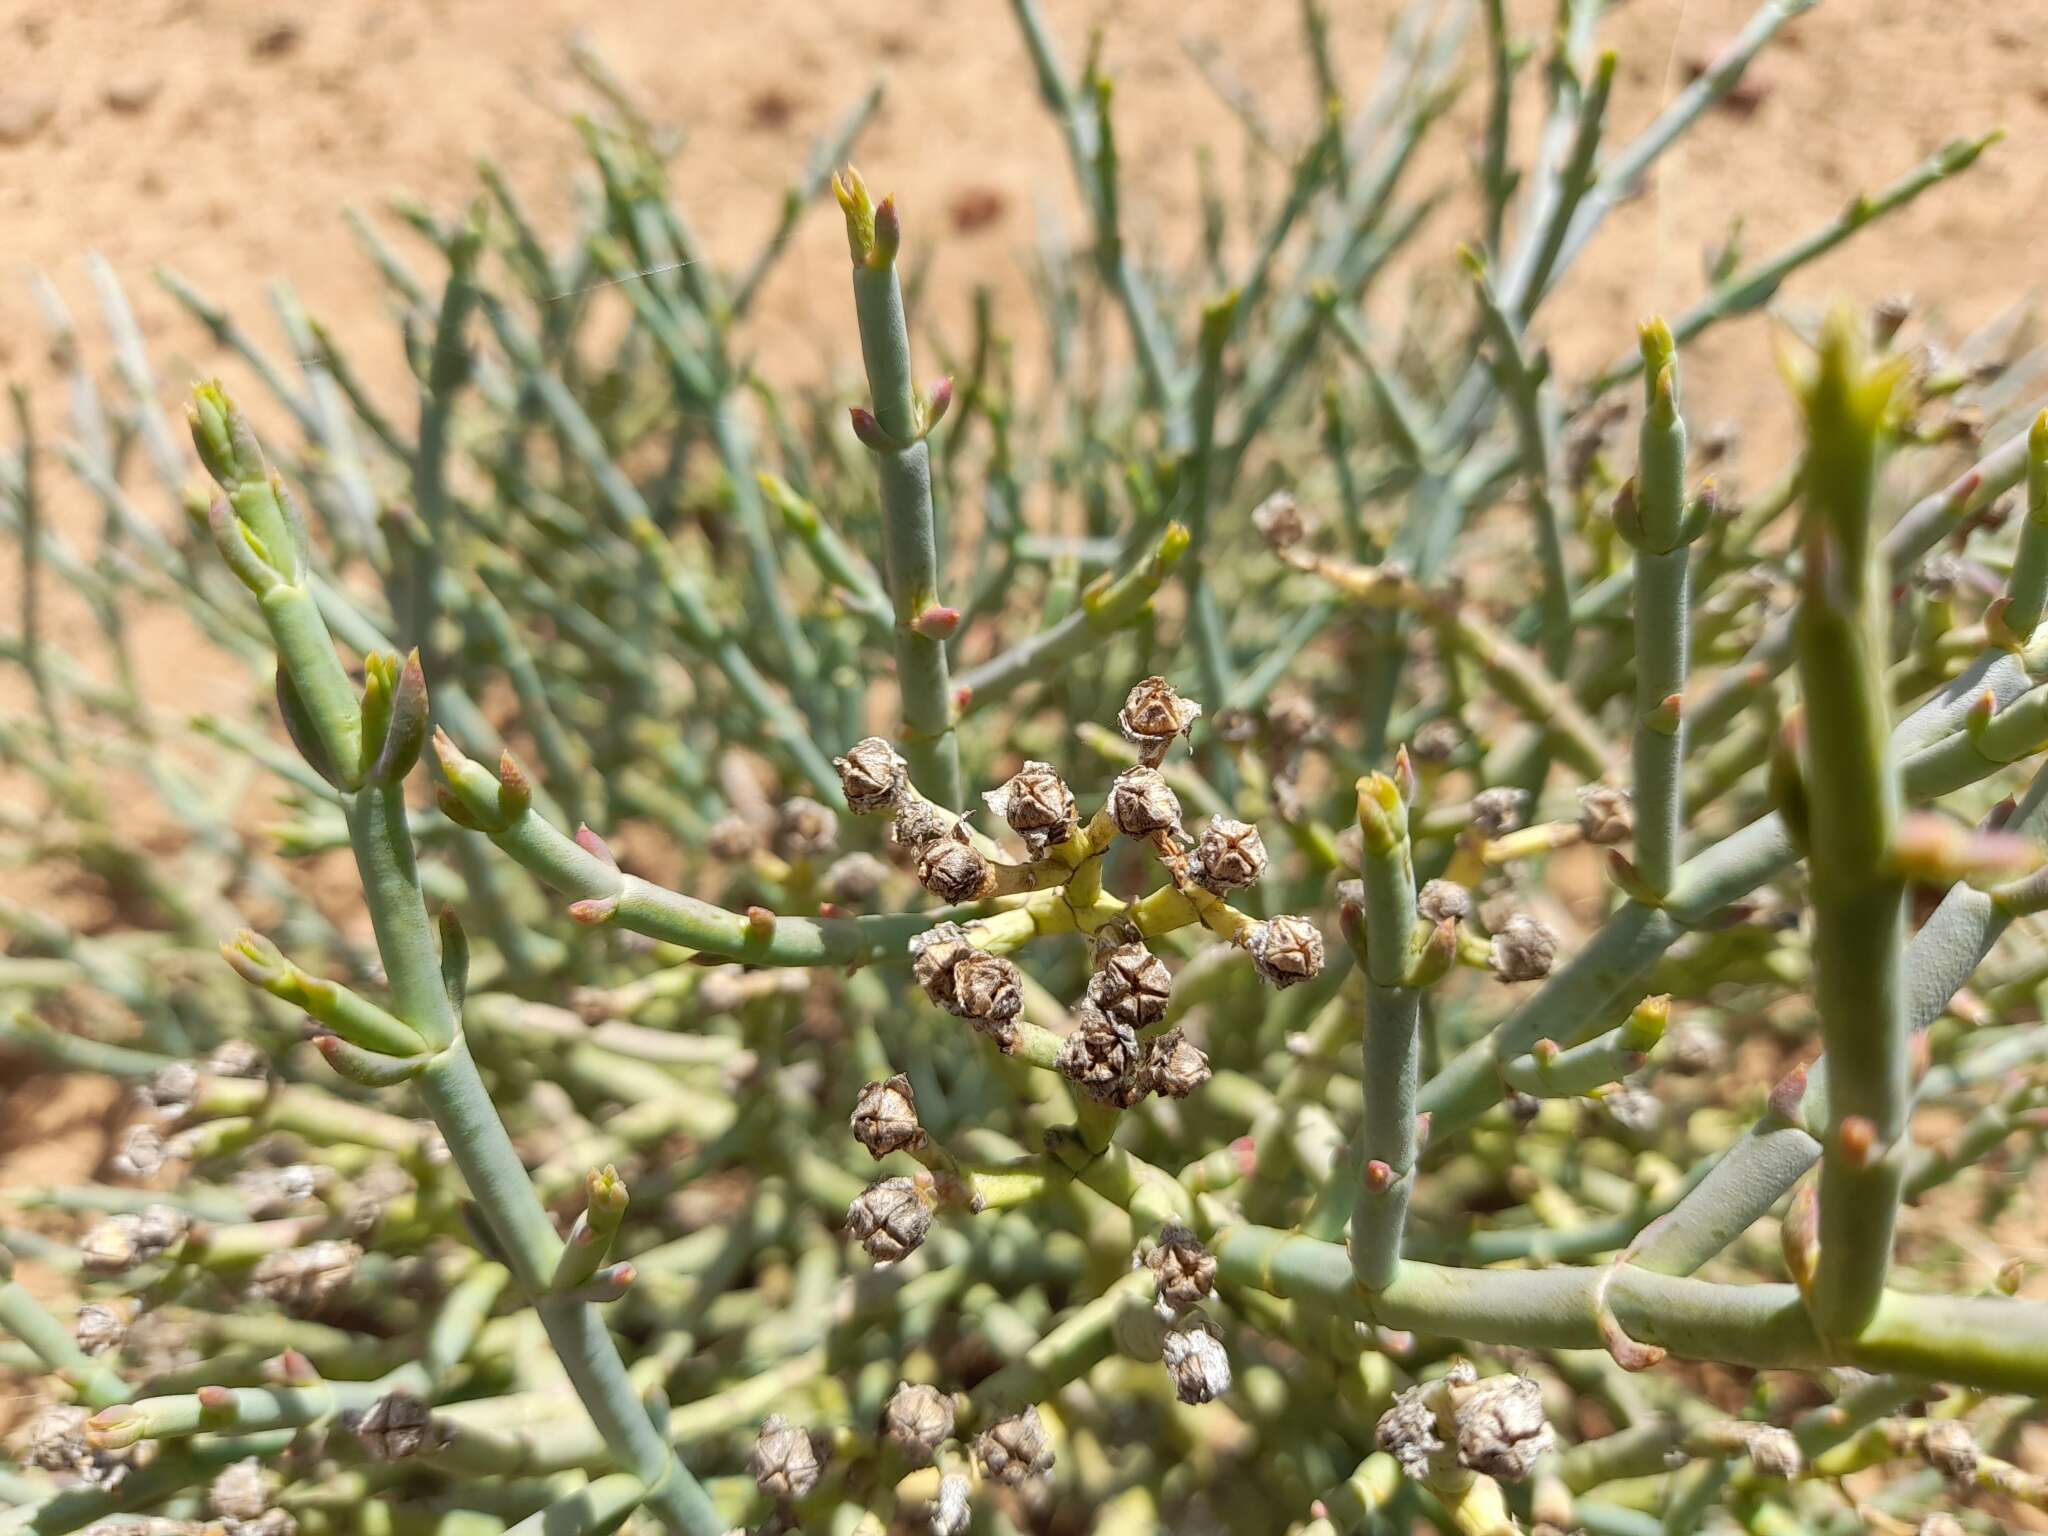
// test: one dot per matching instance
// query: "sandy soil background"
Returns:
(221, 137)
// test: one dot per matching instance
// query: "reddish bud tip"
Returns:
(937, 401)
(1246, 1151)
(1379, 1177)
(1858, 1136)
(1545, 1051)
(594, 912)
(830, 909)
(869, 430)
(937, 623)
(761, 920)
(215, 1399)
(293, 1366)
(1786, 1094)
(594, 845)
(1421, 1131)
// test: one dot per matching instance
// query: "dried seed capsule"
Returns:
(933, 955)
(1501, 1427)
(121, 1242)
(918, 1419)
(1951, 1450)
(1773, 1451)
(1495, 811)
(1436, 742)
(56, 1440)
(951, 1513)
(304, 1279)
(141, 1155)
(1153, 714)
(785, 1459)
(1633, 1109)
(871, 776)
(1174, 1065)
(1280, 521)
(1183, 1270)
(855, 877)
(394, 1427)
(990, 992)
(1523, 950)
(1140, 803)
(805, 829)
(890, 1219)
(1409, 1433)
(732, 840)
(917, 823)
(1035, 802)
(98, 1328)
(953, 870)
(1131, 985)
(242, 1490)
(236, 1058)
(1197, 1362)
(1606, 815)
(170, 1090)
(1441, 899)
(270, 1192)
(1229, 856)
(1014, 1449)
(1100, 1057)
(885, 1118)
(1285, 950)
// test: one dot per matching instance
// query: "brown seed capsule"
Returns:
(885, 1118)
(1279, 520)
(1014, 1449)
(1951, 1450)
(1174, 1065)
(785, 1459)
(1436, 742)
(1197, 1363)
(394, 1427)
(1131, 984)
(98, 1328)
(1441, 899)
(1184, 1271)
(951, 1513)
(890, 1219)
(1153, 714)
(990, 994)
(933, 954)
(1100, 1057)
(871, 776)
(1523, 950)
(1773, 1451)
(917, 1420)
(242, 1490)
(1409, 1433)
(142, 1153)
(302, 1280)
(1035, 802)
(953, 870)
(1285, 950)
(236, 1058)
(124, 1241)
(271, 1192)
(1229, 856)
(1140, 803)
(1605, 815)
(917, 823)
(853, 878)
(805, 829)
(1495, 811)
(1501, 1428)
(170, 1090)
(732, 840)
(1633, 1109)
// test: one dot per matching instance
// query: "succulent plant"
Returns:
(1222, 874)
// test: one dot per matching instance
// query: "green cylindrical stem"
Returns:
(391, 889)
(1852, 802)
(2027, 588)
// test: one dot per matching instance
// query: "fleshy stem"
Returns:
(1655, 520)
(2027, 589)
(1393, 1030)
(895, 433)
(371, 746)
(1851, 816)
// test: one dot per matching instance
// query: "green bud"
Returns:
(222, 436)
